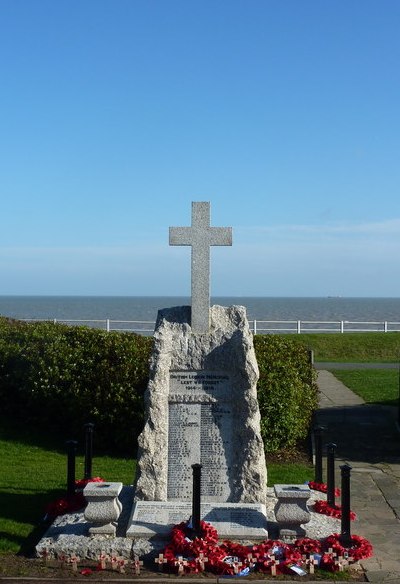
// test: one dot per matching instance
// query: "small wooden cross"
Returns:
(160, 561)
(341, 562)
(274, 563)
(201, 560)
(181, 563)
(312, 562)
(114, 562)
(122, 562)
(73, 560)
(236, 565)
(103, 558)
(250, 560)
(45, 554)
(137, 564)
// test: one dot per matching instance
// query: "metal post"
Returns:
(255, 326)
(341, 326)
(318, 431)
(108, 325)
(71, 453)
(345, 535)
(398, 408)
(88, 450)
(331, 474)
(311, 356)
(298, 327)
(196, 499)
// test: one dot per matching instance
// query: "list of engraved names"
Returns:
(200, 430)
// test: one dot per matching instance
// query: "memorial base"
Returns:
(236, 521)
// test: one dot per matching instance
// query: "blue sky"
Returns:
(116, 114)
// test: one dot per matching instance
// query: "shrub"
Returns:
(61, 377)
(287, 391)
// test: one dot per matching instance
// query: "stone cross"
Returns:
(200, 236)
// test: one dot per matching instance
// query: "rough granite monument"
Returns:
(201, 407)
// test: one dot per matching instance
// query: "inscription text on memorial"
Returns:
(200, 430)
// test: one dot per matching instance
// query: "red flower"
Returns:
(70, 504)
(322, 487)
(336, 511)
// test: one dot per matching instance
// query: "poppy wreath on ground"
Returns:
(70, 504)
(185, 555)
(335, 511)
(322, 487)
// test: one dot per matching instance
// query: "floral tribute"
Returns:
(322, 487)
(323, 507)
(186, 555)
(70, 504)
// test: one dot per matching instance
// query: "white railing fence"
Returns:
(146, 327)
(328, 326)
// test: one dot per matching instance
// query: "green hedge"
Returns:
(287, 391)
(59, 377)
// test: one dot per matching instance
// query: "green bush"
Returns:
(287, 391)
(60, 377)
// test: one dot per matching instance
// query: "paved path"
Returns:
(367, 438)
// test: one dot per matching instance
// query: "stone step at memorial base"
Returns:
(236, 521)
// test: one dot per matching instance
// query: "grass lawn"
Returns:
(377, 386)
(32, 474)
(352, 347)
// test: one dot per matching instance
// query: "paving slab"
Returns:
(368, 439)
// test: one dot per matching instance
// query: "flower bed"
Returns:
(186, 555)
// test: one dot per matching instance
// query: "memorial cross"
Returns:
(236, 565)
(200, 236)
(73, 560)
(312, 562)
(160, 561)
(122, 562)
(181, 563)
(137, 564)
(103, 557)
(114, 562)
(201, 560)
(273, 564)
(45, 554)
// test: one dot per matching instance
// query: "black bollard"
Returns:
(345, 535)
(196, 499)
(331, 474)
(71, 453)
(318, 431)
(398, 406)
(88, 450)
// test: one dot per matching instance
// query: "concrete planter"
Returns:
(104, 507)
(291, 510)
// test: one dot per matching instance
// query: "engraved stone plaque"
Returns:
(199, 430)
(239, 521)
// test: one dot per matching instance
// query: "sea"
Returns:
(144, 308)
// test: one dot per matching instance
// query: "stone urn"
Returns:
(103, 507)
(291, 510)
